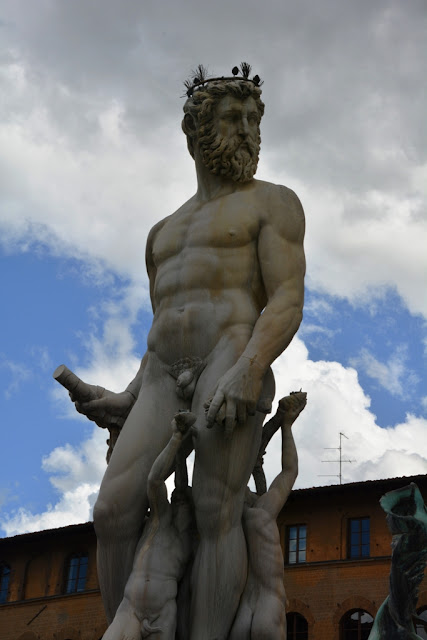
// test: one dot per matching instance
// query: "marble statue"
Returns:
(407, 521)
(262, 607)
(149, 604)
(226, 274)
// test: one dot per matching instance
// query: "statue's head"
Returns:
(222, 120)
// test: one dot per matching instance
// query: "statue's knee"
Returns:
(114, 518)
(104, 515)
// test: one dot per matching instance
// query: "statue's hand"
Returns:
(236, 396)
(183, 422)
(107, 409)
(293, 405)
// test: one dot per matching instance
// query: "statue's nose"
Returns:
(243, 127)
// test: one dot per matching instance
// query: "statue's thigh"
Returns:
(225, 461)
(145, 433)
(269, 621)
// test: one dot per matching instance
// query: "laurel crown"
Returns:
(199, 77)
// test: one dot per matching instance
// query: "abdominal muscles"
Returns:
(192, 328)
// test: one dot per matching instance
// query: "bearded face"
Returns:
(231, 157)
(229, 142)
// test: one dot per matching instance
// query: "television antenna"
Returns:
(341, 461)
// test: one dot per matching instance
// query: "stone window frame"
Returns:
(299, 538)
(292, 633)
(360, 545)
(362, 634)
(418, 627)
(4, 582)
(75, 581)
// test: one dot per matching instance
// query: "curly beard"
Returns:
(230, 157)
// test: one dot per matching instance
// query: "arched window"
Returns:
(4, 581)
(76, 571)
(356, 625)
(419, 627)
(296, 626)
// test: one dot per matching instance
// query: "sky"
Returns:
(92, 155)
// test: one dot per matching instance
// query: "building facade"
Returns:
(337, 553)
(49, 586)
(336, 549)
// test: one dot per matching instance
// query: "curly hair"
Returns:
(201, 105)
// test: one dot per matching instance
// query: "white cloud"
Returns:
(18, 372)
(76, 473)
(318, 307)
(91, 156)
(308, 328)
(336, 402)
(393, 375)
(109, 347)
(92, 152)
(41, 357)
(357, 248)
(94, 199)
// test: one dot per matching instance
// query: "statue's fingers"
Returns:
(215, 405)
(241, 412)
(115, 421)
(251, 408)
(93, 407)
(80, 408)
(230, 418)
(220, 416)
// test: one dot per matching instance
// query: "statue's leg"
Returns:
(221, 472)
(122, 502)
(164, 627)
(125, 625)
(269, 621)
(241, 629)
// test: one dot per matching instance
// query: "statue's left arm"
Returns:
(274, 499)
(282, 266)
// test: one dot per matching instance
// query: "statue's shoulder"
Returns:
(157, 227)
(283, 207)
(188, 206)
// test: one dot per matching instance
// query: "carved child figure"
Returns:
(148, 608)
(262, 611)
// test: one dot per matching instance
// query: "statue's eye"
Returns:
(230, 117)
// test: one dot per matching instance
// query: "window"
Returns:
(296, 543)
(421, 628)
(296, 626)
(356, 625)
(76, 573)
(4, 582)
(358, 538)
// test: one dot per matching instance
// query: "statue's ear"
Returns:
(189, 125)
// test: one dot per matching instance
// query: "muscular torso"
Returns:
(265, 553)
(158, 566)
(207, 278)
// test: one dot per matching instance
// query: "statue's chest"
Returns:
(213, 227)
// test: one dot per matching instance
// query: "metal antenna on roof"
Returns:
(341, 461)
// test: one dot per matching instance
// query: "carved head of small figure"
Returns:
(221, 123)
